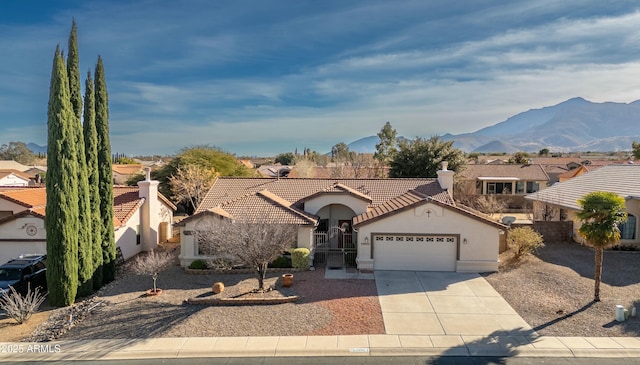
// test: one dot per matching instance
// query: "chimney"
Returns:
(445, 178)
(150, 217)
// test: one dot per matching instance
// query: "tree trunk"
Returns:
(262, 272)
(598, 273)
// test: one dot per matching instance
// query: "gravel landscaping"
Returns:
(325, 307)
(552, 291)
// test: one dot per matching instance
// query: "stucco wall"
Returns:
(189, 249)
(15, 241)
(479, 242)
(314, 205)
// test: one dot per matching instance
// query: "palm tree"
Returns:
(602, 212)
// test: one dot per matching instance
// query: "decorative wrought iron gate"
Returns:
(335, 248)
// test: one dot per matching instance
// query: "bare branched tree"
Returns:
(255, 244)
(152, 264)
(191, 183)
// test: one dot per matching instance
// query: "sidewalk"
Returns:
(362, 345)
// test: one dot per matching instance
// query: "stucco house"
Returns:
(142, 218)
(369, 224)
(506, 182)
(560, 201)
(10, 177)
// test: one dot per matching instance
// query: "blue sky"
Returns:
(263, 77)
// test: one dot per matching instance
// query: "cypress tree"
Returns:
(61, 218)
(85, 261)
(91, 152)
(105, 185)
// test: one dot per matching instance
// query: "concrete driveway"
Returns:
(444, 303)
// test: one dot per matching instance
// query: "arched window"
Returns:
(628, 228)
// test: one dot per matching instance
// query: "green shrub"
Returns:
(281, 262)
(300, 258)
(198, 265)
(524, 240)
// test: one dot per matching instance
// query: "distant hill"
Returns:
(573, 125)
(37, 148)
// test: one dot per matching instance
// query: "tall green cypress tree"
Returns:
(91, 152)
(85, 239)
(61, 220)
(105, 175)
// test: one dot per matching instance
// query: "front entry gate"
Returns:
(336, 247)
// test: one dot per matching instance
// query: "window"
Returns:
(499, 188)
(520, 187)
(138, 234)
(532, 187)
(628, 229)
(323, 225)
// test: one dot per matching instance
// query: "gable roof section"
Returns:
(410, 200)
(126, 201)
(341, 189)
(620, 179)
(521, 172)
(20, 174)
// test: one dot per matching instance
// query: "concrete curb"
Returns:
(301, 346)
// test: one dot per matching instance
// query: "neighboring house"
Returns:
(276, 170)
(560, 202)
(122, 173)
(507, 182)
(381, 224)
(142, 218)
(12, 165)
(14, 178)
(583, 169)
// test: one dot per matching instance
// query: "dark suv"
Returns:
(24, 272)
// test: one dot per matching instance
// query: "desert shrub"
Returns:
(281, 262)
(18, 307)
(220, 263)
(524, 240)
(300, 258)
(198, 265)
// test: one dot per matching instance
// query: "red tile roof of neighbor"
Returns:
(7, 172)
(125, 201)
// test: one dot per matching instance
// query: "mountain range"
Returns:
(573, 125)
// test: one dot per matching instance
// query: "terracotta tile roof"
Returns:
(522, 172)
(28, 198)
(263, 206)
(338, 188)
(226, 189)
(125, 201)
(412, 199)
(619, 179)
(7, 172)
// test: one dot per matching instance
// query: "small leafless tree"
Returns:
(18, 307)
(490, 204)
(255, 244)
(191, 183)
(152, 264)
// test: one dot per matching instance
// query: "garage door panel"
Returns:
(421, 253)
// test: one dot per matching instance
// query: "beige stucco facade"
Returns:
(477, 242)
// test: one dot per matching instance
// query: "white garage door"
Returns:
(420, 253)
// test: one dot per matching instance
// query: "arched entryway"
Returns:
(334, 243)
